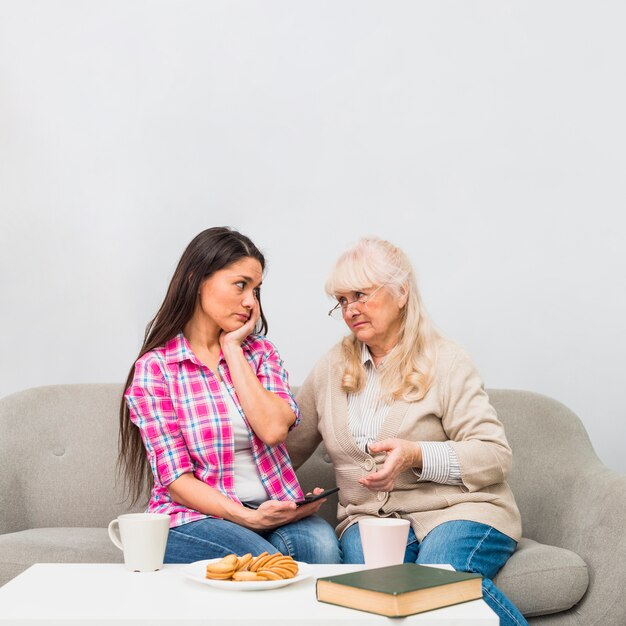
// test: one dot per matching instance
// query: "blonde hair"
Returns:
(408, 371)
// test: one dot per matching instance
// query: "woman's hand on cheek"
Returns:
(401, 455)
(236, 337)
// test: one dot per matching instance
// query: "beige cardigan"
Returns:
(455, 409)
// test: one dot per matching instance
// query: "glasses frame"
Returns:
(342, 308)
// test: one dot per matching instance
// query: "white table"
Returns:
(99, 594)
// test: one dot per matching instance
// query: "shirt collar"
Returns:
(177, 350)
(366, 357)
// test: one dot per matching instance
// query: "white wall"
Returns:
(485, 138)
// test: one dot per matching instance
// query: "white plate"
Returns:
(197, 571)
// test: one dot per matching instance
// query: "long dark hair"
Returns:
(212, 250)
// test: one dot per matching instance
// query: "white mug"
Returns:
(383, 540)
(142, 537)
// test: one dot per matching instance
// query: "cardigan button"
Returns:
(369, 464)
(381, 495)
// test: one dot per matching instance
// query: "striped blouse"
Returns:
(366, 413)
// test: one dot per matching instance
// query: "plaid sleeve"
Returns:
(152, 411)
(273, 376)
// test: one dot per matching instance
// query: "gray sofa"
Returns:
(58, 491)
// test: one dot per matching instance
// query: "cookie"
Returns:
(249, 568)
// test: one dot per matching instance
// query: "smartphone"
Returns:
(318, 496)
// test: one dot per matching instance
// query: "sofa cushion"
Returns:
(20, 550)
(541, 579)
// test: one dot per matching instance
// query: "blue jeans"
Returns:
(467, 546)
(311, 540)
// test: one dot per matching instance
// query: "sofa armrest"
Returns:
(589, 520)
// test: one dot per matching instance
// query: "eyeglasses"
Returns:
(341, 307)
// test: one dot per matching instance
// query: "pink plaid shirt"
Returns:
(179, 407)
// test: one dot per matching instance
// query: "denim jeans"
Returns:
(467, 546)
(311, 540)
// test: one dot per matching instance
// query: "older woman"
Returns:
(408, 426)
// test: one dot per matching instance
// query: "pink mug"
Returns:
(383, 540)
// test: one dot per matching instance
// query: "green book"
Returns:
(399, 590)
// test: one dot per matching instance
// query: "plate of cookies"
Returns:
(247, 572)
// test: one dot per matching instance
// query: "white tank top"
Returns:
(248, 485)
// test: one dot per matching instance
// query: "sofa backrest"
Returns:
(58, 447)
(550, 448)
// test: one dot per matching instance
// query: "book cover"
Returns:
(399, 590)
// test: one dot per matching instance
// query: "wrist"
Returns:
(237, 513)
(417, 456)
(231, 348)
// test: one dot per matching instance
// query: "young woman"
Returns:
(207, 408)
